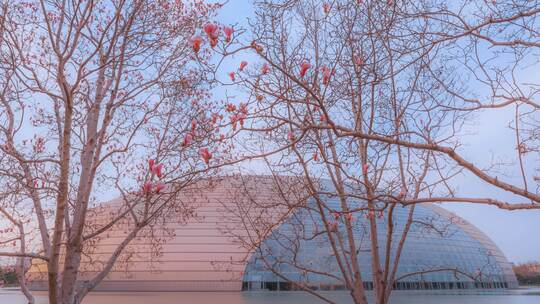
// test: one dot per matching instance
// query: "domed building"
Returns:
(247, 233)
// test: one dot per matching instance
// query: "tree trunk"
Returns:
(358, 295)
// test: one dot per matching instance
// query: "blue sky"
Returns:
(513, 231)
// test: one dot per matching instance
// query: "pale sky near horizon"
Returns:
(512, 231)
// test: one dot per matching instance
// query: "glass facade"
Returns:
(442, 251)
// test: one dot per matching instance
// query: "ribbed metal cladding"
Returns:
(197, 255)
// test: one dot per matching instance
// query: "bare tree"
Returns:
(101, 97)
(369, 95)
(416, 51)
(295, 236)
(496, 45)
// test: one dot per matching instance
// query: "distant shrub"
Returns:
(8, 275)
(528, 273)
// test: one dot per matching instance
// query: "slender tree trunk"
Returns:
(21, 270)
(358, 293)
(88, 158)
(62, 198)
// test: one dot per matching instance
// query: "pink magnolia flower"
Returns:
(326, 8)
(315, 156)
(213, 42)
(265, 69)
(291, 136)
(243, 64)
(230, 107)
(231, 76)
(147, 187)
(193, 125)
(187, 140)
(365, 168)
(196, 43)
(215, 117)
(206, 155)
(228, 33)
(234, 120)
(158, 170)
(358, 60)
(326, 74)
(151, 164)
(241, 117)
(303, 68)
(159, 187)
(211, 30)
